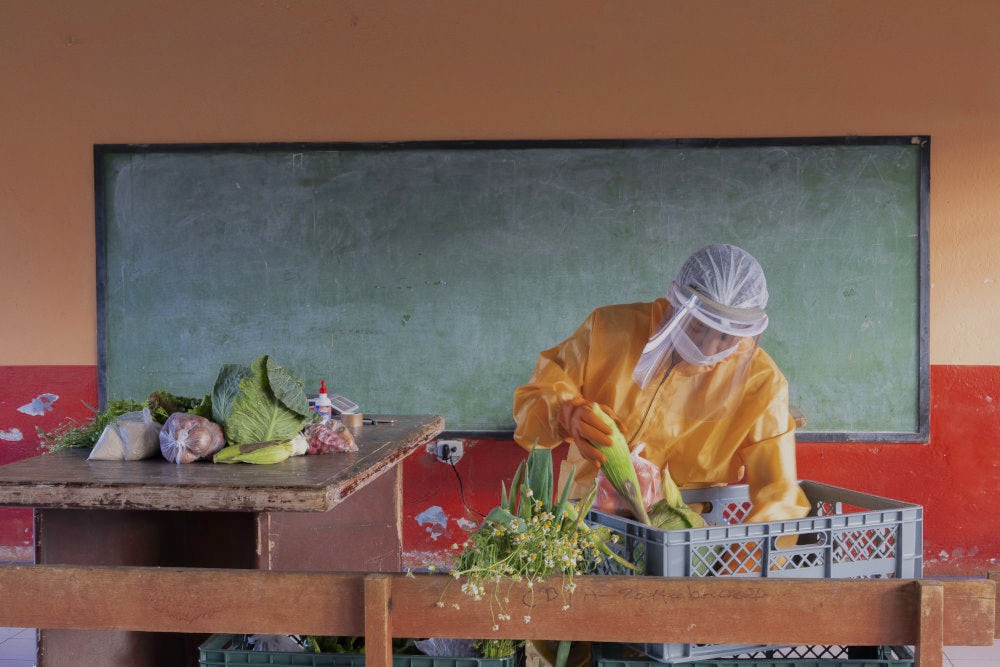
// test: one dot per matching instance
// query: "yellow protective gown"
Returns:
(754, 439)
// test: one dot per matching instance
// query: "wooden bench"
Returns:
(924, 613)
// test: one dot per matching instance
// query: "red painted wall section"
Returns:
(31, 398)
(442, 504)
(956, 477)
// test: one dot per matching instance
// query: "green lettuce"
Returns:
(259, 402)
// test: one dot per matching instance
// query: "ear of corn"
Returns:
(671, 492)
(532, 487)
(272, 451)
(667, 517)
(618, 467)
(672, 512)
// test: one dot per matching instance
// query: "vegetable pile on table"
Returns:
(256, 413)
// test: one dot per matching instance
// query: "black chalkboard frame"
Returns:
(920, 434)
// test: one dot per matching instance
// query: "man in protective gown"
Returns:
(683, 375)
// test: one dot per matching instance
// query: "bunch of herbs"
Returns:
(73, 433)
(528, 537)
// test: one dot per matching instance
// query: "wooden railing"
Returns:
(924, 613)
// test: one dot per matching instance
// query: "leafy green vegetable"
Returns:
(75, 434)
(227, 385)
(288, 389)
(497, 648)
(259, 402)
(162, 404)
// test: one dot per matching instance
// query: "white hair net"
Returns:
(723, 287)
(730, 286)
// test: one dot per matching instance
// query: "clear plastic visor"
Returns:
(705, 345)
(712, 365)
(685, 336)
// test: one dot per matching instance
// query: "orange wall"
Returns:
(78, 72)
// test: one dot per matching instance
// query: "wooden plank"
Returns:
(301, 484)
(647, 609)
(625, 609)
(966, 603)
(378, 621)
(77, 648)
(930, 641)
(651, 604)
(189, 600)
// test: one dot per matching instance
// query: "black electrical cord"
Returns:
(461, 489)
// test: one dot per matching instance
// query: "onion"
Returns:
(186, 437)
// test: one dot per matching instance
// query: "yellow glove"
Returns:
(579, 424)
(771, 475)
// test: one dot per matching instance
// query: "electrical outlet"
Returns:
(448, 451)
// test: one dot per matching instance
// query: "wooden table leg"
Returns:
(378, 621)
(930, 647)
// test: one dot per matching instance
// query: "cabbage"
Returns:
(259, 402)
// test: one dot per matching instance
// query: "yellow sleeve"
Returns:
(557, 377)
(772, 477)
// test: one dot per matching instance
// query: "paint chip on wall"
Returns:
(12, 435)
(39, 405)
(431, 518)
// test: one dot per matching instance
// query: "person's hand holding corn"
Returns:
(580, 424)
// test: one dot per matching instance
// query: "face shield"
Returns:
(723, 288)
(708, 342)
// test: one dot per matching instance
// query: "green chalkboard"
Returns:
(426, 277)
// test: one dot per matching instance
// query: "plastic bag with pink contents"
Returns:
(608, 500)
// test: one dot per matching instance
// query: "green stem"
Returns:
(562, 652)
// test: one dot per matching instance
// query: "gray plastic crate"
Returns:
(848, 534)
(615, 655)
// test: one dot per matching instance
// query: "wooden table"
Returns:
(155, 513)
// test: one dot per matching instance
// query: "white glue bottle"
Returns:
(324, 407)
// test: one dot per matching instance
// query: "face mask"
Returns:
(692, 354)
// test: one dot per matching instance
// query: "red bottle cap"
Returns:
(322, 386)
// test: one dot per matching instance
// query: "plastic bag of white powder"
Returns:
(133, 436)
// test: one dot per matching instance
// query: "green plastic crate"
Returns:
(617, 655)
(224, 650)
